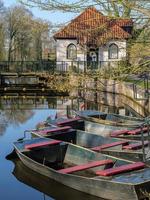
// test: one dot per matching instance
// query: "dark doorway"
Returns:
(92, 58)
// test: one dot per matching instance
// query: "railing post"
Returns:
(78, 66)
(85, 66)
(143, 148)
(71, 65)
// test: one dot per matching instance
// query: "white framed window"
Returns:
(71, 52)
(113, 51)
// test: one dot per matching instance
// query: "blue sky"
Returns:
(54, 17)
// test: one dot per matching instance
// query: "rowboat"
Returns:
(110, 120)
(127, 149)
(85, 170)
(135, 130)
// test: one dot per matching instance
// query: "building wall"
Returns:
(103, 51)
(61, 53)
(61, 47)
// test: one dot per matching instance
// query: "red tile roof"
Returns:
(92, 27)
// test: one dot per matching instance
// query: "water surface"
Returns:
(18, 114)
(17, 181)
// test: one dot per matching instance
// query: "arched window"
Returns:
(113, 51)
(71, 51)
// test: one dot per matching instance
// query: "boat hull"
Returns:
(93, 186)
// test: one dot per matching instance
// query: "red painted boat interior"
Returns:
(41, 144)
(118, 132)
(135, 145)
(138, 131)
(121, 169)
(57, 129)
(129, 132)
(68, 121)
(85, 166)
(113, 144)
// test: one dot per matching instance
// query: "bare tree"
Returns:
(16, 22)
(39, 28)
(24, 34)
(117, 8)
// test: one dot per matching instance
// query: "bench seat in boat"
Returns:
(41, 144)
(113, 144)
(129, 132)
(121, 169)
(119, 132)
(85, 166)
(135, 145)
(67, 121)
(137, 131)
(59, 129)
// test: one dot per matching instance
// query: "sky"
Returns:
(54, 17)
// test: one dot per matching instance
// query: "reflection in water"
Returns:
(105, 102)
(3, 123)
(14, 117)
(16, 109)
(114, 102)
(47, 186)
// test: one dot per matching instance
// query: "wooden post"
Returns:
(148, 132)
(68, 111)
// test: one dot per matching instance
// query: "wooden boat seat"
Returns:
(137, 131)
(119, 132)
(59, 129)
(85, 166)
(135, 145)
(121, 169)
(41, 144)
(68, 121)
(113, 144)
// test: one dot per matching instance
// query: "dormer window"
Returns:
(71, 52)
(113, 51)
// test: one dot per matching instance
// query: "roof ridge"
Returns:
(85, 11)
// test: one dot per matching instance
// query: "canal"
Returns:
(17, 114)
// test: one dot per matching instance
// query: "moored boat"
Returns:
(127, 149)
(84, 170)
(114, 121)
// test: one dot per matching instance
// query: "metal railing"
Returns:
(55, 66)
(145, 91)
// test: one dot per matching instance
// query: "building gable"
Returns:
(93, 28)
